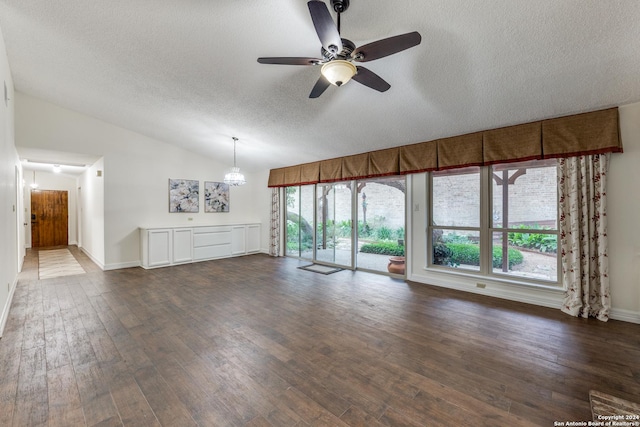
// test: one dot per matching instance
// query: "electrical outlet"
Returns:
(481, 285)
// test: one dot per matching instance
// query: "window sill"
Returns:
(487, 279)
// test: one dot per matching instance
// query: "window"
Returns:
(455, 202)
(499, 220)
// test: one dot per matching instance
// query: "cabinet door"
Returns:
(238, 240)
(159, 247)
(253, 238)
(182, 245)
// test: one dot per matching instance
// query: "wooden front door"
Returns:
(49, 218)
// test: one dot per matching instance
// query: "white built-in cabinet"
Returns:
(182, 245)
(238, 239)
(161, 247)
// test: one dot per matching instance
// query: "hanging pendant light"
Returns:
(234, 177)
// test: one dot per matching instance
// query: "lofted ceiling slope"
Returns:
(185, 72)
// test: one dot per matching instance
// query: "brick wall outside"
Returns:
(532, 199)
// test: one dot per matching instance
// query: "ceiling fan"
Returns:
(338, 54)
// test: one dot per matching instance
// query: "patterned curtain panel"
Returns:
(583, 233)
(274, 239)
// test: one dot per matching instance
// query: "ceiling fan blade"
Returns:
(386, 47)
(325, 27)
(369, 78)
(318, 89)
(289, 60)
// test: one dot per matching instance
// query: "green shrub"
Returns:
(547, 243)
(383, 248)
(469, 254)
(384, 233)
(364, 230)
(292, 229)
(442, 255)
(344, 229)
(305, 244)
(464, 253)
(515, 257)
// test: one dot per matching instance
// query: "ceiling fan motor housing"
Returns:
(347, 47)
(340, 6)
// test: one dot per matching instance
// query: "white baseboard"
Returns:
(92, 258)
(120, 265)
(544, 297)
(7, 306)
(625, 315)
(551, 298)
(114, 266)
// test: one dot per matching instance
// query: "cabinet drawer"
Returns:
(217, 251)
(213, 229)
(213, 238)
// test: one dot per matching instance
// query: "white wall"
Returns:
(52, 181)
(624, 215)
(11, 212)
(91, 213)
(136, 175)
(623, 231)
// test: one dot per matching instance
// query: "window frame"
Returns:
(486, 231)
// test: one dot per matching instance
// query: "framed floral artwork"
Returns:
(216, 197)
(184, 195)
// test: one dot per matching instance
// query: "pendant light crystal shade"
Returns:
(338, 71)
(234, 177)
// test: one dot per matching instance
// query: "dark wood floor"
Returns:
(254, 341)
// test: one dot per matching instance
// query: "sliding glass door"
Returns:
(333, 230)
(321, 219)
(381, 221)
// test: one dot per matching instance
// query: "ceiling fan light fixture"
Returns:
(338, 71)
(234, 178)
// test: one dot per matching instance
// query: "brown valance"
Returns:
(276, 178)
(309, 173)
(422, 157)
(588, 133)
(292, 174)
(355, 167)
(512, 144)
(331, 170)
(460, 151)
(384, 162)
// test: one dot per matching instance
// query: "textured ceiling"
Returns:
(185, 72)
